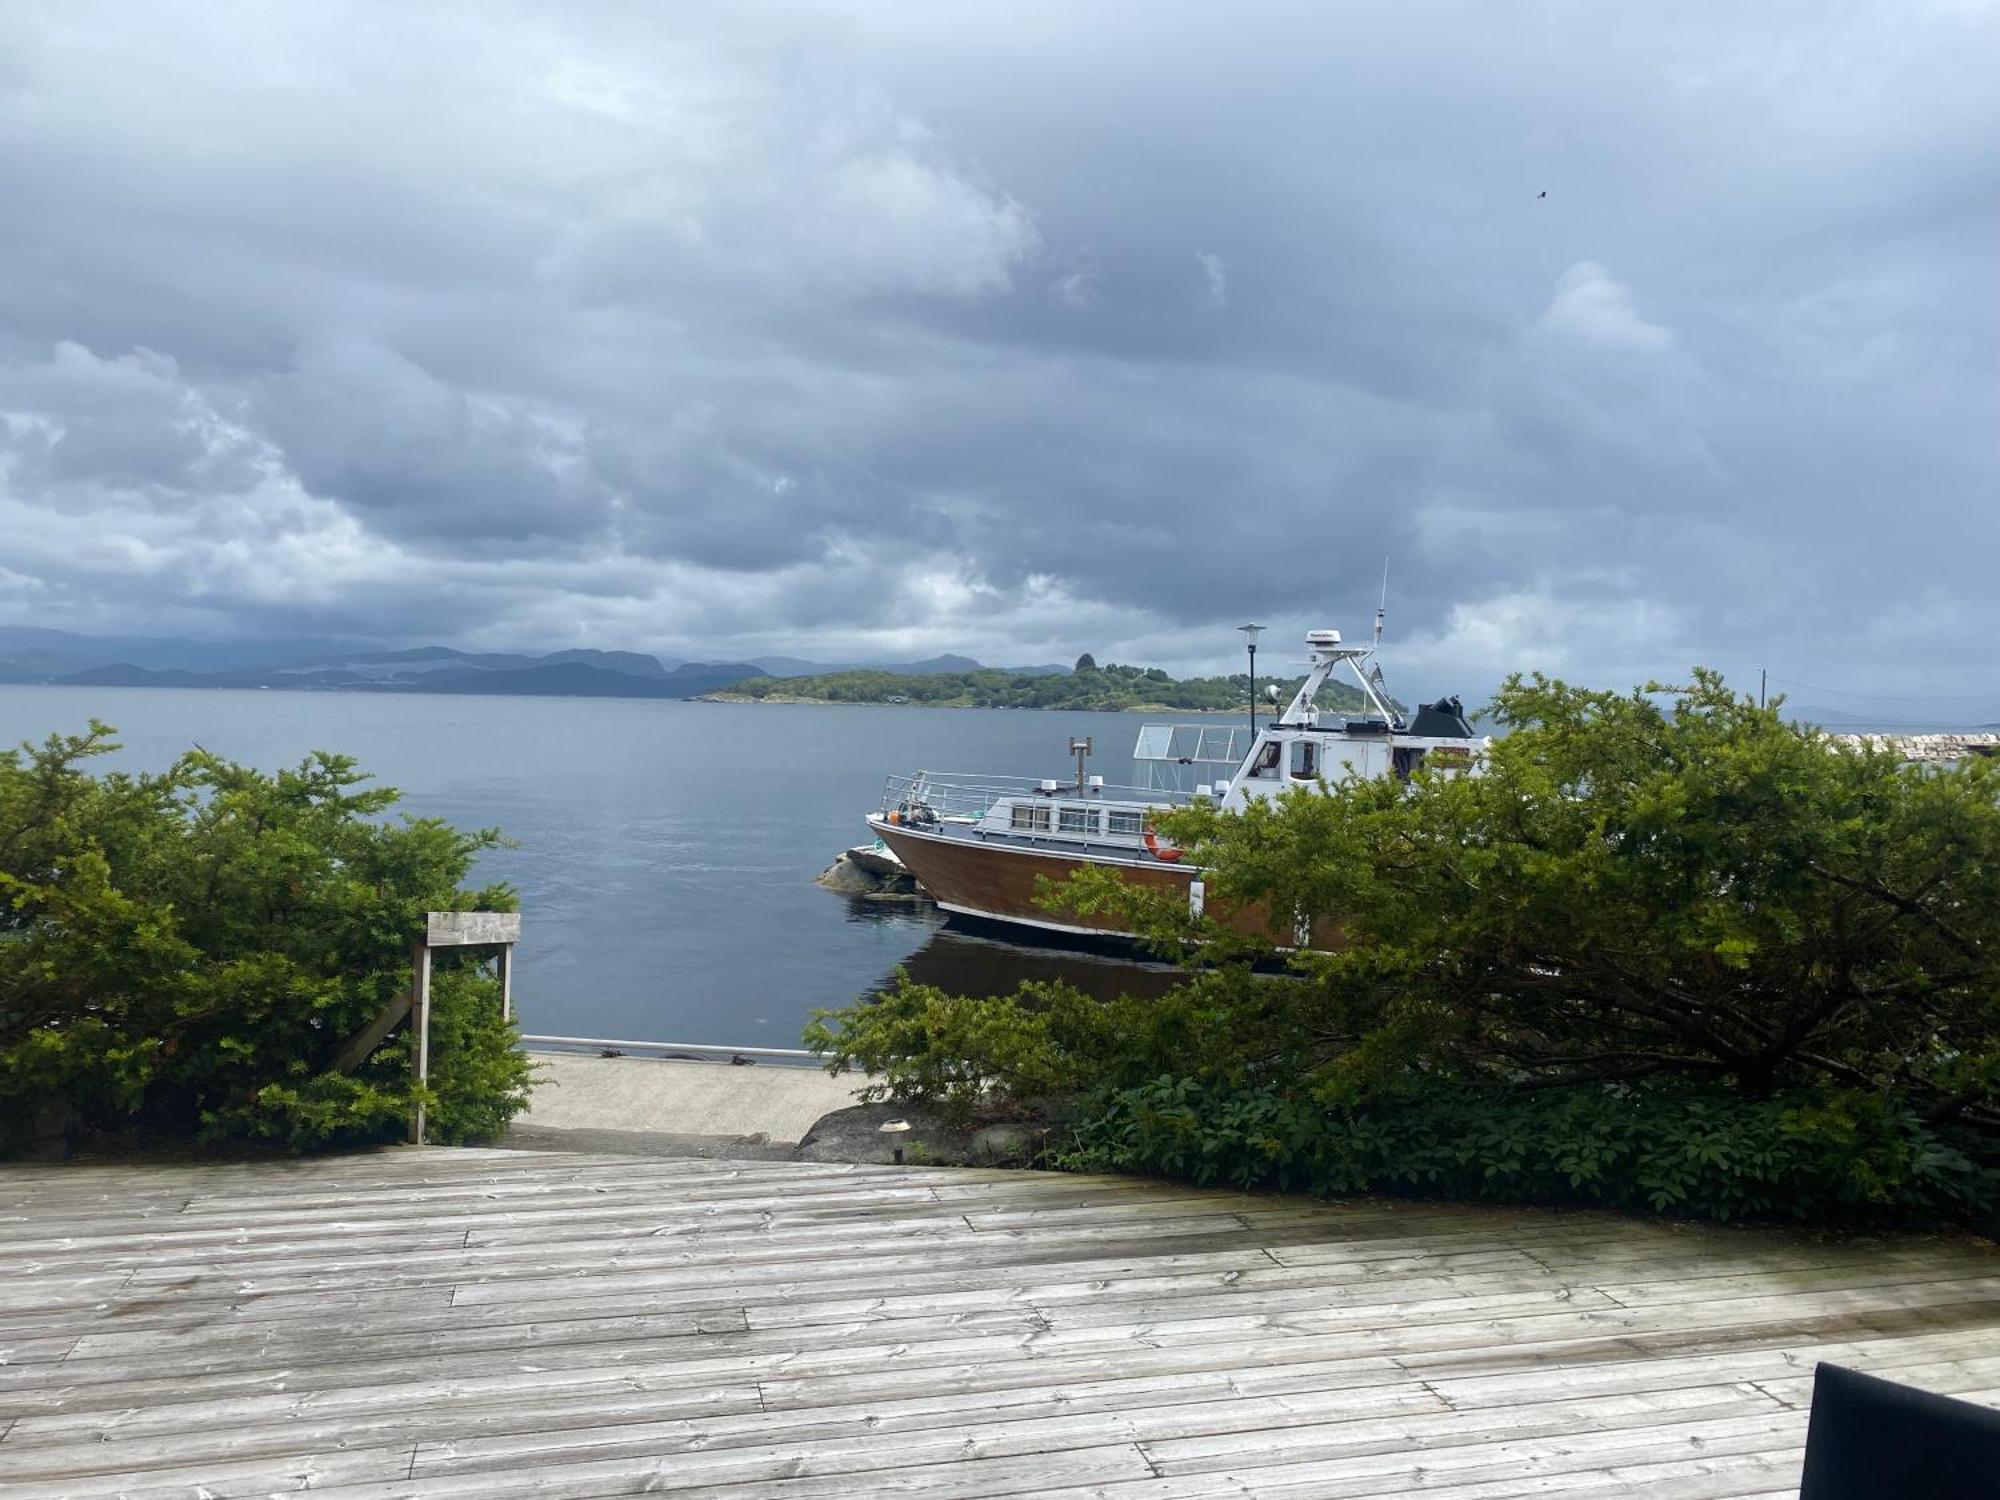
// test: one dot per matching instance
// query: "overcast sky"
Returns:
(1018, 329)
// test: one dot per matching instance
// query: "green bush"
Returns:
(1669, 911)
(1048, 1039)
(1688, 890)
(1835, 1158)
(183, 955)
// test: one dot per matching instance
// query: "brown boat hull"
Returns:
(998, 881)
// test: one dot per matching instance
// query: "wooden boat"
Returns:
(980, 844)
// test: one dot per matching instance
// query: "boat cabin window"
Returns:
(1126, 820)
(1029, 817)
(1267, 762)
(1408, 761)
(1076, 820)
(1305, 760)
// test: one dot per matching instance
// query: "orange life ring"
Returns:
(1165, 853)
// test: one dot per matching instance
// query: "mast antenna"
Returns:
(1382, 609)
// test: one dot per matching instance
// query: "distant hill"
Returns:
(1046, 669)
(1849, 720)
(634, 663)
(796, 666)
(124, 674)
(1096, 688)
(34, 655)
(560, 675)
(578, 679)
(31, 654)
(430, 661)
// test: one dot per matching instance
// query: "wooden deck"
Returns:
(505, 1323)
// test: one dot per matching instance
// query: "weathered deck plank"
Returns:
(491, 1323)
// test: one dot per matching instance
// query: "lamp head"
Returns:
(1251, 632)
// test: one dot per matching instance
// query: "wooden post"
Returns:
(442, 929)
(420, 1002)
(366, 1040)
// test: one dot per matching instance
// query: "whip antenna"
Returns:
(1382, 609)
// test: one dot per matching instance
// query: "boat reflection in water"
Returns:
(967, 958)
(968, 963)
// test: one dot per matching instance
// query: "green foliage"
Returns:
(1090, 687)
(1048, 1039)
(183, 954)
(1694, 890)
(948, 1050)
(1671, 899)
(1833, 1157)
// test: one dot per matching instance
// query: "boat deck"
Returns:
(475, 1323)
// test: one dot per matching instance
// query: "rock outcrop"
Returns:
(863, 871)
(855, 1134)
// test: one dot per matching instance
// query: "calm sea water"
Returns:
(666, 850)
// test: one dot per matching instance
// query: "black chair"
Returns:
(1872, 1439)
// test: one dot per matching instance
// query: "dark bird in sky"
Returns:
(1543, 193)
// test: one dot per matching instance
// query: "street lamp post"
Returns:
(1250, 634)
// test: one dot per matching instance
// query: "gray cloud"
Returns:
(1022, 331)
(414, 457)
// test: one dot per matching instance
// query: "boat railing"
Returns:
(971, 795)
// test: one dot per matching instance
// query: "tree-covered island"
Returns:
(1111, 688)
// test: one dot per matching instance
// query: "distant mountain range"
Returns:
(546, 676)
(34, 655)
(1848, 720)
(29, 654)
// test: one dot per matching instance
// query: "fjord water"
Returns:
(665, 850)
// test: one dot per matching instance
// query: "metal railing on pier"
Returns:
(692, 1051)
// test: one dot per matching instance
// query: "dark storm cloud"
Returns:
(1021, 330)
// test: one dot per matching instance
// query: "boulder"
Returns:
(1008, 1145)
(855, 1134)
(871, 874)
(849, 878)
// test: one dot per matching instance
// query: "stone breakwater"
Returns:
(1955, 745)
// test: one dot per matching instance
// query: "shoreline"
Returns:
(1136, 708)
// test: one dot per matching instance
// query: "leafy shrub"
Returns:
(929, 1047)
(1047, 1039)
(1668, 913)
(184, 954)
(1692, 890)
(1831, 1157)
